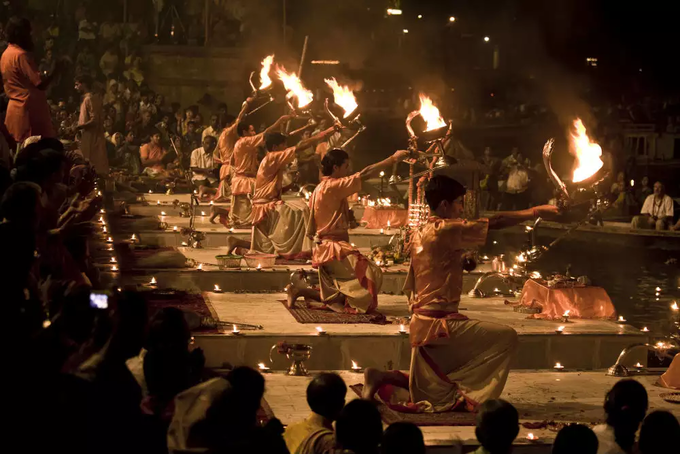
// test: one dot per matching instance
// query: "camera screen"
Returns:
(99, 300)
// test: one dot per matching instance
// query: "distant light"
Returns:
(452, 19)
(325, 62)
(486, 39)
(393, 12)
(406, 30)
(640, 69)
(420, 16)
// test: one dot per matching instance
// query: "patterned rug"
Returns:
(328, 317)
(451, 418)
(188, 302)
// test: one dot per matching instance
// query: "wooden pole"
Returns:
(303, 56)
(206, 20)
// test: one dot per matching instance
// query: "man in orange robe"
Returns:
(244, 163)
(455, 362)
(28, 113)
(349, 281)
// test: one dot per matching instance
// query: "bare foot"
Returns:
(292, 294)
(232, 244)
(372, 380)
(213, 214)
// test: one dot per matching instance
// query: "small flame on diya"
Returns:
(382, 231)
(639, 366)
(402, 329)
(202, 213)
(113, 260)
(259, 267)
(532, 437)
(235, 331)
(588, 153)
(558, 366)
(174, 228)
(212, 203)
(104, 229)
(658, 289)
(621, 319)
(109, 240)
(102, 211)
(674, 306)
(560, 330)
(645, 329)
(153, 281)
(262, 367)
(114, 268)
(217, 289)
(355, 367)
(320, 331)
(101, 219)
(199, 267)
(162, 213)
(158, 202)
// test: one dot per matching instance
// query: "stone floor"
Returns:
(538, 396)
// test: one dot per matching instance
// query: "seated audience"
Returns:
(575, 438)
(403, 438)
(660, 433)
(497, 427)
(359, 428)
(657, 211)
(625, 406)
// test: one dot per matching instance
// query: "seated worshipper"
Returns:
(28, 113)
(224, 153)
(402, 438)
(203, 167)
(657, 211)
(349, 281)
(91, 126)
(575, 438)
(625, 405)
(152, 155)
(128, 157)
(455, 362)
(326, 398)
(244, 162)
(497, 427)
(279, 227)
(660, 432)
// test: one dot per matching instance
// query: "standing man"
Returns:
(657, 211)
(28, 113)
(244, 164)
(455, 362)
(203, 168)
(91, 126)
(349, 281)
(223, 155)
(215, 128)
(281, 227)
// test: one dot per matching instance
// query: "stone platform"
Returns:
(538, 396)
(584, 345)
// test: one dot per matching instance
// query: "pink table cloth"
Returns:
(582, 302)
(377, 217)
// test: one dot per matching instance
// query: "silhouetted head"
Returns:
(625, 405)
(445, 196)
(326, 395)
(497, 426)
(248, 386)
(359, 428)
(18, 32)
(403, 438)
(245, 129)
(575, 438)
(660, 432)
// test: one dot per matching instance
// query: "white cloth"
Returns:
(606, 440)
(86, 31)
(660, 210)
(210, 131)
(202, 160)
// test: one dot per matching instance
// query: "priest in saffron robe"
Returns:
(349, 281)
(456, 363)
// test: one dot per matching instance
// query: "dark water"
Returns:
(629, 270)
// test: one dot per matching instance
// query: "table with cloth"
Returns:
(377, 217)
(582, 301)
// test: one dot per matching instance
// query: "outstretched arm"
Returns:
(371, 170)
(244, 110)
(509, 218)
(277, 124)
(320, 137)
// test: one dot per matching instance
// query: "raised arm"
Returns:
(509, 218)
(320, 137)
(371, 170)
(277, 124)
(244, 110)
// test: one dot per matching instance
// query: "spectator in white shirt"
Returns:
(657, 211)
(215, 128)
(87, 31)
(203, 167)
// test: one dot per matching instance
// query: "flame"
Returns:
(430, 114)
(566, 313)
(153, 281)
(261, 366)
(674, 306)
(587, 152)
(343, 96)
(265, 80)
(560, 329)
(355, 365)
(294, 86)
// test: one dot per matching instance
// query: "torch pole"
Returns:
(304, 54)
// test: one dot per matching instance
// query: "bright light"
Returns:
(406, 30)
(452, 19)
(486, 39)
(393, 12)
(420, 16)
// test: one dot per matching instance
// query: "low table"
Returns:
(581, 301)
(377, 218)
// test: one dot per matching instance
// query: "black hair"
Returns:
(497, 425)
(274, 139)
(403, 438)
(248, 387)
(19, 198)
(40, 167)
(242, 128)
(326, 395)
(192, 123)
(335, 157)
(626, 404)
(440, 188)
(575, 438)
(85, 79)
(18, 31)
(660, 432)
(359, 427)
